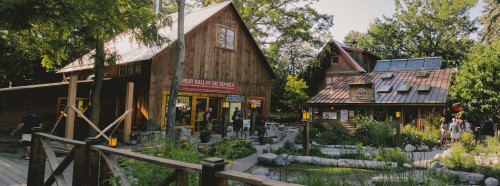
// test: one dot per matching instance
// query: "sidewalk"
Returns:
(245, 163)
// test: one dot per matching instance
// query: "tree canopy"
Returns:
(490, 20)
(422, 28)
(477, 83)
(295, 95)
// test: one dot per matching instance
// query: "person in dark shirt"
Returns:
(207, 118)
(30, 121)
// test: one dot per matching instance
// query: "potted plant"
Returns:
(205, 136)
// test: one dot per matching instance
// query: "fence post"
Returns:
(91, 163)
(210, 167)
(36, 170)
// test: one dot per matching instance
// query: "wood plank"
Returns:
(169, 179)
(62, 166)
(116, 170)
(152, 159)
(51, 158)
(128, 106)
(70, 119)
(10, 175)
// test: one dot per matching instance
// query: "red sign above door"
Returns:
(201, 85)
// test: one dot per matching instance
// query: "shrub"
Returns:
(459, 159)
(334, 136)
(467, 140)
(410, 135)
(144, 173)
(234, 148)
(374, 133)
(392, 155)
(298, 138)
(493, 145)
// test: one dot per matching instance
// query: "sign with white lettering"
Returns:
(235, 98)
(344, 115)
(201, 85)
(329, 115)
(361, 92)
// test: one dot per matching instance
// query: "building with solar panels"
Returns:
(408, 90)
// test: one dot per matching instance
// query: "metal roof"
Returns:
(429, 63)
(439, 81)
(341, 47)
(130, 50)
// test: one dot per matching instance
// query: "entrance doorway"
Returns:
(200, 109)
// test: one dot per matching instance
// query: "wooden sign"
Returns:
(201, 85)
(361, 92)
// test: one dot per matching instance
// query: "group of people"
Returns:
(237, 120)
(457, 126)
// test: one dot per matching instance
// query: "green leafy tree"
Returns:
(91, 23)
(295, 96)
(490, 20)
(477, 83)
(422, 28)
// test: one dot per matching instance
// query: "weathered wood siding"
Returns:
(204, 60)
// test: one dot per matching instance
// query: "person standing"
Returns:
(237, 120)
(30, 121)
(207, 119)
(443, 135)
(455, 131)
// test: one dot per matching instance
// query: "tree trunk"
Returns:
(176, 81)
(95, 91)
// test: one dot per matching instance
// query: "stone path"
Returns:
(245, 163)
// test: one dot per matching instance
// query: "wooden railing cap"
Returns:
(213, 160)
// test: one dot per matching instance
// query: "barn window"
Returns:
(225, 37)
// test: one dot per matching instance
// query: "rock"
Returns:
(446, 153)
(266, 158)
(410, 148)
(424, 148)
(182, 134)
(289, 145)
(481, 160)
(315, 144)
(260, 171)
(437, 156)
(275, 140)
(407, 165)
(281, 127)
(365, 164)
(133, 142)
(422, 163)
(494, 160)
(466, 177)
(491, 182)
(281, 160)
(436, 165)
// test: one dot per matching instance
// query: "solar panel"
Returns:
(433, 63)
(382, 66)
(421, 74)
(404, 88)
(388, 75)
(415, 64)
(424, 88)
(398, 65)
(385, 89)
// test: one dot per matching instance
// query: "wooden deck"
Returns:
(14, 169)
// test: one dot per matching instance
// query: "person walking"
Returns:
(443, 135)
(207, 119)
(455, 131)
(29, 121)
(237, 120)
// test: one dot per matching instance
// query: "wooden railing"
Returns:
(93, 164)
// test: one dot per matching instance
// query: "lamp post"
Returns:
(305, 140)
(253, 106)
(225, 107)
(398, 129)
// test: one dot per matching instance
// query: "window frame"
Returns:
(225, 37)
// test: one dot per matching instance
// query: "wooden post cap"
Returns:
(213, 161)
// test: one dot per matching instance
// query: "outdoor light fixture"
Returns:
(112, 142)
(332, 108)
(305, 116)
(225, 104)
(253, 105)
(398, 114)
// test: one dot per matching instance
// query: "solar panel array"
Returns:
(412, 64)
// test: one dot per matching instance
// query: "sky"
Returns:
(357, 14)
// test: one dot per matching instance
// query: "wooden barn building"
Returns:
(413, 88)
(223, 64)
